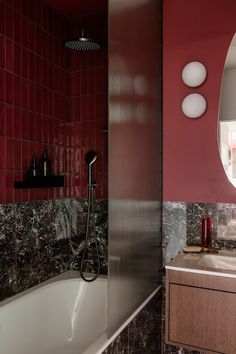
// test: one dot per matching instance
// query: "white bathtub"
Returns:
(62, 316)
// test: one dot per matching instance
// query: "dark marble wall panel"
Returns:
(7, 252)
(77, 240)
(173, 229)
(143, 334)
(224, 223)
(41, 239)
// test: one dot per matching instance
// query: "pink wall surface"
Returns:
(194, 30)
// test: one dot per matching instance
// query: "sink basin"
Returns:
(224, 262)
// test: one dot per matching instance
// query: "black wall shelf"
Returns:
(40, 182)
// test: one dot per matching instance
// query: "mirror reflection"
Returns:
(227, 116)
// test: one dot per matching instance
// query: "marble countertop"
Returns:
(194, 263)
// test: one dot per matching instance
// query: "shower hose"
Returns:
(90, 213)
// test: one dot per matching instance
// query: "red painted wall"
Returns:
(194, 30)
(39, 97)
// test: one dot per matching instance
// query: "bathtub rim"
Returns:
(102, 342)
(65, 276)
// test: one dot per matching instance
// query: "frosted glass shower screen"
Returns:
(134, 155)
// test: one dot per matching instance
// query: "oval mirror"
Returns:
(227, 115)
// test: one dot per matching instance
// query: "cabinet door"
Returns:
(202, 318)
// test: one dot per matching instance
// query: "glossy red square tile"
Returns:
(2, 52)
(25, 124)
(2, 119)
(77, 159)
(32, 34)
(84, 134)
(39, 98)
(9, 121)
(32, 96)
(32, 194)
(17, 27)
(83, 108)
(17, 90)
(91, 107)
(9, 21)
(24, 195)
(9, 154)
(76, 79)
(38, 128)
(25, 157)
(25, 63)
(50, 131)
(101, 106)
(17, 192)
(62, 104)
(32, 65)
(17, 59)
(83, 61)
(25, 7)
(39, 70)
(91, 81)
(3, 187)
(57, 105)
(77, 134)
(45, 45)
(17, 123)
(32, 126)
(2, 17)
(45, 73)
(9, 55)
(45, 130)
(2, 85)
(3, 153)
(39, 41)
(9, 187)
(25, 93)
(76, 112)
(25, 31)
(45, 102)
(62, 82)
(9, 88)
(84, 82)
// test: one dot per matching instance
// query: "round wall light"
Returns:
(194, 74)
(194, 105)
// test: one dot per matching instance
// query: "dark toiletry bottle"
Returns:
(206, 233)
(45, 164)
(34, 169)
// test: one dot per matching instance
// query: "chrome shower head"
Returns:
(90, 157)
(82, 43)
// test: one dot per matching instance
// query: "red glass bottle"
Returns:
(206, 233)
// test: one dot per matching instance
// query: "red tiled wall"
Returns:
(39, 95)
(89, 106)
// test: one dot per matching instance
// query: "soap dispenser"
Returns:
(45, 164)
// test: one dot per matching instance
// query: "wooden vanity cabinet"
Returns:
(201, 312)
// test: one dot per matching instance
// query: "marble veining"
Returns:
(224, 224)
(173, 229)
(143, 334)
(41, 239)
